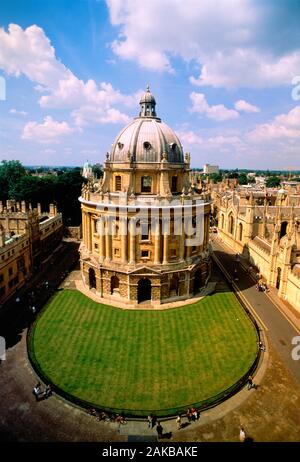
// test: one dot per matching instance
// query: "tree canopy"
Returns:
(63, 190)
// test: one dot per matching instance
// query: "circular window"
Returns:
(147, 145)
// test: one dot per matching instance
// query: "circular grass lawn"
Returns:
(139, 361)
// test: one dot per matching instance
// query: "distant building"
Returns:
(27, 238)
(208, 169)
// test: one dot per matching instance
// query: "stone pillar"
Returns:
(89, 232)
(101, 232)
(23, 207)
(166, 248)
(124, 240)
(108, 240)
(51, 210)
(39, 209)
(157, 243)
(83, 228)
(132, 242)
(1, 207)
(181, 243)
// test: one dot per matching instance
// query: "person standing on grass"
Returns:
(178, 422)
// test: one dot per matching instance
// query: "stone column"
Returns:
(108, 240)
(166, 248)
(124, 240)
(132, 242)
(181, 243)
(89, 232)
(101, 231)
(84, 229)
(157, 243)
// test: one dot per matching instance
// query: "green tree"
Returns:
(273, 182)
(11, 172)
(242, 178)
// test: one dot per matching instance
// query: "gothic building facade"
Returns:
(264, 226)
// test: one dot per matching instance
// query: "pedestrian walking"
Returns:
(250, 383)
(48, 391)
(37, 391)
(159, 430)
(242, 435)
(178, 422)
(149, 421)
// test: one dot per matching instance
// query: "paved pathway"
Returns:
(280, 330)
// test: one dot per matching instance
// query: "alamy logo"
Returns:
(296, 349)
(2, 88)
(2, 349)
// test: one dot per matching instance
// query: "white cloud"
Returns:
(218, 112)
(16, 112)
(236, 43)
(242, 106)
(284, 126)
(50, 131)
(189, 138)
(29, 52)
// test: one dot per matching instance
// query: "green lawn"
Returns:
(143, 360)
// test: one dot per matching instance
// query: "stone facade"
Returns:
(145, 226)
(27, 238)
(264, 226)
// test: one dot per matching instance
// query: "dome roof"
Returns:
(147, 138)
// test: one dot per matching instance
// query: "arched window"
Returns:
(240, 232)
(283, 229)
(278, 278)
(231, 224)
(174, 184)
(146, 183)
(118, 183)
(222, 221)
(92, 278)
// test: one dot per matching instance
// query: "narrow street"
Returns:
(279, 329)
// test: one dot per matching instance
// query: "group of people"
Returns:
(262, 287)
(192, 414)
(41, 394)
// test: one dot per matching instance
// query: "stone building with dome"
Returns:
(145, 225)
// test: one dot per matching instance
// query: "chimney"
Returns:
(51, 210)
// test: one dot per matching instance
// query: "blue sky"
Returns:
(225, 75)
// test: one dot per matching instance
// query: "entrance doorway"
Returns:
(197, 282)
(144, 290)
(92, 278)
